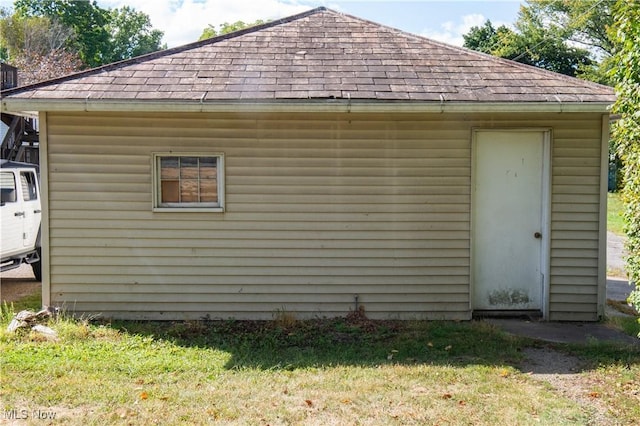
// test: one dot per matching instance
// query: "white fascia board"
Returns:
(20, 113)
(20, 105)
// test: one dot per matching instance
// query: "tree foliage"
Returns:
(38, 35)
(35, 67)
(84, 18)
(100, 35)
(584, 23)
(131, 34)
(227, 28)
(35, 45)
(569, 37)
(626, 71)
(530, 47)
(487, 38)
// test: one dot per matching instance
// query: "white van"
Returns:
(20, 215)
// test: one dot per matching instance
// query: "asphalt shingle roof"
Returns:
(320, 54)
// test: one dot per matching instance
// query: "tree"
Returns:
(36, 34)
(34, 67)
(530, 46)
(626, 131)
(35, 45)
(100, 35)
(566, 36)
(486, 38)
(45, 39)
(584, 23)
(227, 28)
(87, 20)
(131, 34)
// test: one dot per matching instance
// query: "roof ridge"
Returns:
(503, 74)
(165, 52)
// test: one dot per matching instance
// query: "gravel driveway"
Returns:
(618, 287)
(615, 255)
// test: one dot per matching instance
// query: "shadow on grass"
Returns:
(357, 341)
(286, 343)
(338, 341)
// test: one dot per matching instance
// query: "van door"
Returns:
(10, 215)
(31, 208)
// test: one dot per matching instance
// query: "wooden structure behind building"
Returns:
(20, 142)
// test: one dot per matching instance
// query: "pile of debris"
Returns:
(34, 320)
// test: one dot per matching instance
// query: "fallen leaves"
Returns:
(461, 402)
(447, 348)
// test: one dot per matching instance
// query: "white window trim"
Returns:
(201, 207)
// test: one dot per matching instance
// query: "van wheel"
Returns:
(37, 267)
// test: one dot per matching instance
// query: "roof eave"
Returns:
(23, 105)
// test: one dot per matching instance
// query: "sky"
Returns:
(445, 20)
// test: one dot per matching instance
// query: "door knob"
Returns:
(537, 235)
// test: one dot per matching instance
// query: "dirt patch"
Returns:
(18, 283)
(564, 373)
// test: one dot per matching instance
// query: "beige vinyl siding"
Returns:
(575, 227)
(319, 208)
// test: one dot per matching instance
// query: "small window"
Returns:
(28, 183)
(7, 188)
(189, 182)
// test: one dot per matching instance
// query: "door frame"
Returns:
(545, 249)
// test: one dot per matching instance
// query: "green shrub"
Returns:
(626, 35)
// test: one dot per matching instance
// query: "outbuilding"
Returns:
(319, 164)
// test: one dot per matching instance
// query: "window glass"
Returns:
(189, 184)
(170, 179)
(188, 181)
(28, 183)
(7, 187)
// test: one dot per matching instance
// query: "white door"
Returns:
(509, 219)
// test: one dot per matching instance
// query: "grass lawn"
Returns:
(339, 371)
(615, 207)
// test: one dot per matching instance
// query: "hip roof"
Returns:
(314, 56)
